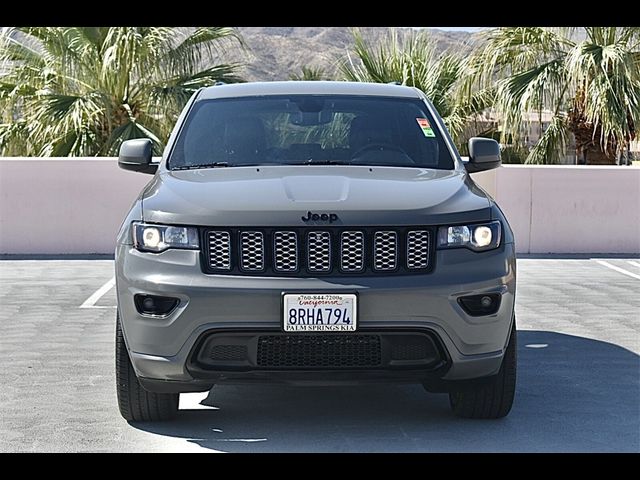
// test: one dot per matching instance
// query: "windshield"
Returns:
(310, 129)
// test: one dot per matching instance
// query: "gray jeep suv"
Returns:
(313, 233)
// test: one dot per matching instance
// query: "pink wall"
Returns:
(569, 209)
(53, 206)
(63, 205)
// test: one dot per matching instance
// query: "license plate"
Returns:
(320, 312)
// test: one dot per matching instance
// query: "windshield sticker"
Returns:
(426, 127)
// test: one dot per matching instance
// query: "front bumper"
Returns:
(161, 349)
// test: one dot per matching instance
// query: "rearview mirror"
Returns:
(484, 154)
(308, 119)
(135, 155)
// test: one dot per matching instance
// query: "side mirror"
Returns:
(136, 155)
(484, 154)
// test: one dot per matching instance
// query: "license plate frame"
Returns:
(338, 328)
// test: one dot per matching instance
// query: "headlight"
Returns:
(479, 237)
(158, 238)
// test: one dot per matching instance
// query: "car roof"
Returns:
(293, 87)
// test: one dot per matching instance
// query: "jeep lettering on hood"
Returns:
(320, 217)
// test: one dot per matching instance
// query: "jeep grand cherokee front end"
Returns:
(314, 233)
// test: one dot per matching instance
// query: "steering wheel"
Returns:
(378, 146)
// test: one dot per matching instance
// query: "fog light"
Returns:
(148, 304)
(155, 305)
(486, 302)
(477, 305)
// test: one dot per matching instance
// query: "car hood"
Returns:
(282, 195)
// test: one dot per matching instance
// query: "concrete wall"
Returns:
(75, 206)
(569, 209)
(61, 205)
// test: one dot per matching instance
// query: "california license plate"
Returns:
(320, 312)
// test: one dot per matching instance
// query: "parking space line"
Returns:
(618, 269)
(97, 295)
(635, 264)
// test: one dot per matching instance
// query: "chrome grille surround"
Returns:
(385, 250)
(285, 251)
(418, 245)
(252, 251)
(352, 251)
(219, 250)
(319, 251)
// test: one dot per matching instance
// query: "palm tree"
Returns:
(84, 90)
(309, 73)
(411, 59)
(590, 79)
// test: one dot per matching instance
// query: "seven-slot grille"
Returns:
(316, 251)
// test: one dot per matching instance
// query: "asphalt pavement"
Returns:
(578, 384)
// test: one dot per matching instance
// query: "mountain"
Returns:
(276, 52)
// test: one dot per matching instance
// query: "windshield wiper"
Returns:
(202, 165)
(320, 162)
(398, 165)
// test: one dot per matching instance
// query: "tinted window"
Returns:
(299, 129)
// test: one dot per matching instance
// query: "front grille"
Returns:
(228, 352)
(418, 249)
(252, 251)
(245, 350)
(352, 252)
(385, 250)
(319, 252)
(319, 351)
(312, 251)
(285, 250)
(411, 347)
(219, 250)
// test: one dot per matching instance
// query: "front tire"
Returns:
(495, 398)
(137, 404)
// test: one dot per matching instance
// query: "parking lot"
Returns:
(578, 384)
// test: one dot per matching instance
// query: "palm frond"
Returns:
(128, 131)
(609, 77)
(596, 80)
(530, 90)
(411, 60)
(510, 50)
(188, 54)
(14, 139)
(552, 146)
(167, 97)
(81, 90)
(308, 73)
(466, 109)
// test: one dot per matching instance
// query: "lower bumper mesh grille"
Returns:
(309, 351)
